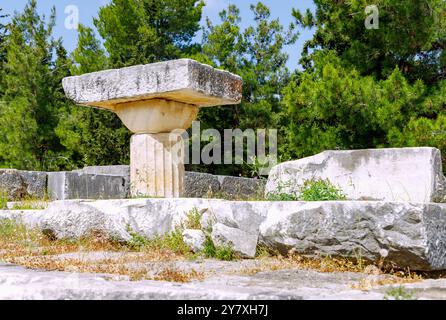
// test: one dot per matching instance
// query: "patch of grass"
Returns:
(399, 293)
(29, 205)
(24, 203)
(208, 248)
(174, 275)
(193, 220)
(3, 200)
(283, 193)
(282, 196)
(311, 190)
(172, 242)
(32, 249)
(224, 253)
(320, 190)
(263, 251)
(136, 241)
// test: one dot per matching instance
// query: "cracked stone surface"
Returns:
(19, 283)
(182, 80)
(406, 234)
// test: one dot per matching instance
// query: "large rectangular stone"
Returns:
(196, 184)
(406, 174)
(182, 80)
(17, 184)
(74, 185)
(241, 188)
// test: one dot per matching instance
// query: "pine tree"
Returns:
(93, 136)
(32, 93)
(368, 88)
(146, 31)
(257, 55)
(2, 50)
(410, 35)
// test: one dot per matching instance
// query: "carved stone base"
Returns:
(157, 165)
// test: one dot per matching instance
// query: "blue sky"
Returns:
(89, 8)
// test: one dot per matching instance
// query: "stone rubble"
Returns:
(403, 234)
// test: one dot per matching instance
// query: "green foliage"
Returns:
(88, 56)
(35, 66)
(320, 190)
(193, 220)
(9, 229)
(283, 193)
(410, 36)
(146, 31)
(93, 136)
(311, 190)
(257, 166)
(333, 107)
(3, 38)
(3, 199)
(399, 293)
(366, 88)
(257, 55)
(136, 241)
(224, 253)
(172, 241)
(208, 248)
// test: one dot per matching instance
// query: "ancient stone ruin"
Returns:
(392, 212)
(156, 102)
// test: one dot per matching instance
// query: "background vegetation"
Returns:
(359, 88)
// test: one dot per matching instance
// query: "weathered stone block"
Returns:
(23, 184)
(401, 234)
(117, 170)
(241, 188)
(407, 174)
(198, 185)
(74, 185)
(11, 184)
(35, 182)
(182, 80)
(241, 242)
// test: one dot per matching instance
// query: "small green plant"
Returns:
(283, 193)
(262, 251)
(172, 241)
(3, 200)
(320, 190)
(258, 168)
(208, 248)
(8, 228)
(224, 253)
(136, 241)
(28, 205)
(193, 220)
(311, 190)
(399, 293)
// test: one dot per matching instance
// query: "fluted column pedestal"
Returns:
(157, 165)
(152, 99)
